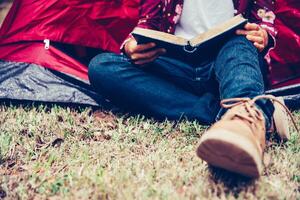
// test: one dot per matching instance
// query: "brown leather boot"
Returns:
(237, 142)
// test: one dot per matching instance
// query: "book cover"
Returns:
(201, 46)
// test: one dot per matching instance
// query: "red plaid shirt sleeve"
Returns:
(150, 16)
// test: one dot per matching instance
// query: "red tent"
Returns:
(285, 62)
(62, 35)
(83, 24)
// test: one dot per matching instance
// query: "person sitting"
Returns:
(145, 81)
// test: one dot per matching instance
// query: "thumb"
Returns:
(130, 45)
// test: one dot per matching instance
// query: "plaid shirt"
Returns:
(164, 15)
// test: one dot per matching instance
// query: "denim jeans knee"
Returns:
(102, 65)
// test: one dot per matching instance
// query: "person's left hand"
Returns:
(255, 34)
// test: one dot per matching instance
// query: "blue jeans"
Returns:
(173, 89)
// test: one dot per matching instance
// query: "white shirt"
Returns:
(200, 15)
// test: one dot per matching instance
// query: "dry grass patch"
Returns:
(60, 153)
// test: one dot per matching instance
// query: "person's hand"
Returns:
(255, 34)
(142, 54)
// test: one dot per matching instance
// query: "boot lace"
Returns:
(251, 109)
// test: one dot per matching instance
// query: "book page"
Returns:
(158, 35)
(218, 30)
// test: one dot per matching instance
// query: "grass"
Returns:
(60, 153)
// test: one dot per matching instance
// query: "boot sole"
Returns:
(230, 151)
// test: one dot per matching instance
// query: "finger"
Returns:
(255, 33)
(143, 47)
(140, 56)
(241, 32)
(147, 61)
(257, 39)
(252, 27)
(260, 47)
(244, 32)
(129, 46)
(133, 47)
(150, 59)
(265, 36)
(147, 55)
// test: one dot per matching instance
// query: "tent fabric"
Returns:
(81, 23)
(31, 82)
(58, 36)
(90, 23)
(52, 58)
(290, 94)
(285, 65)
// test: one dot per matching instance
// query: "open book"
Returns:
(201, 46)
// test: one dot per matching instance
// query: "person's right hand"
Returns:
(143, 53)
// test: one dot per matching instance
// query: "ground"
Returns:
(62, 153)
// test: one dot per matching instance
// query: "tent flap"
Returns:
(22, 81)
